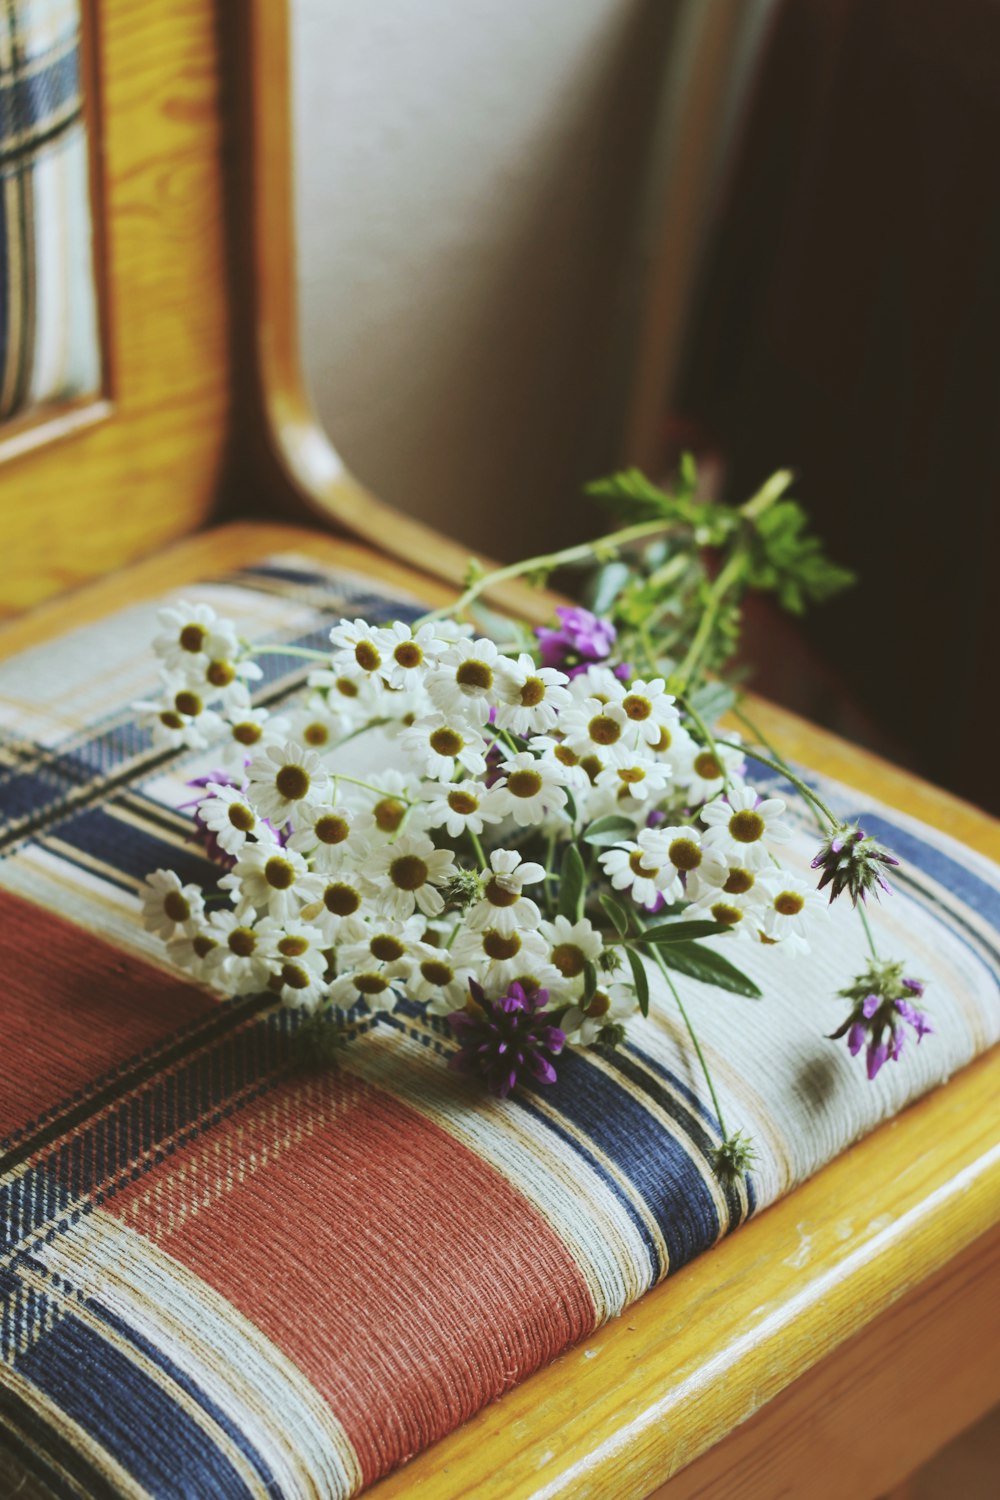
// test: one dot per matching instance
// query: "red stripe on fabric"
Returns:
(404, 1276)
(72, 1007)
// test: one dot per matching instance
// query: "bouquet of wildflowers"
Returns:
(543, 814)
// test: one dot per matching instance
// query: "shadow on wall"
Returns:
(467, 187)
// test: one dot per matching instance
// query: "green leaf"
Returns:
(589, 982)
(710, 967)
(607, 831)
(572, 881)
(641, 982)
(607, 585)
(711, 700)
(617, 914)
(681, 932)
(786, 560)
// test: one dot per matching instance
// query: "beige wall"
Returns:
(468, 175)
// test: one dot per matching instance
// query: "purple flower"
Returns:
(506, 1040)
(202, 832)
(881, 1010)
(582, 640)
(853, 862)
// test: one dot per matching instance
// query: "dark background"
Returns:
(847, 324)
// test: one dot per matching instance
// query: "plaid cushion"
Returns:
(224, 1277)
(48, 325)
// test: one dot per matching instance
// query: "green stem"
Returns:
(477, 846)
(305, 652)
(368, 787)
(709, 739)
(796, 781)
(694, 1042)
(772, 489)
(779, 758)
(868, 932)
(545, 563)
(728, 576)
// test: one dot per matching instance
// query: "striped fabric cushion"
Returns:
(48, 324)
(226, 1277)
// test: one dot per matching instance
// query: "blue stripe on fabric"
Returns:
(31, 101)
(678, 1083)
(44, 1451)
(129, 1414)
(656, 1266)
(132, 851)
(192, 1389)
(970, 888)
(653, 1161)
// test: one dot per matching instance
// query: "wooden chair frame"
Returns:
(795, 1357)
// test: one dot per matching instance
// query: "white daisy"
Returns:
(223, 679)
(359, 649)
(167, 905)
(286, 782)
(608, 1004)
(504, 906)
(678, 851)
(465, 807)
(438, 743)
(315, 726)
(268, 878)
(712, 882)
(329, 838)
(793, 909)
(572, 771)
(438, 981)
(407, 653)
(335, 903)
(702, 772)
(179, 720)
(741, 826)
(500, 956)
(249, 731)
(398, 802)
(191, 949)
(650, 709)
(639, 777)
(378, 985)
(530, 789)
(354, 700)
(571, 946)
(600, 729)
(631, 867)
(384, 941)
(240, 963)
(464, 682)
(406, 874)
(296, 949)
(191, 630)
(529, 698)
(228, 814)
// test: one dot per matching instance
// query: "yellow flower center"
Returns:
(192, 637)
(789, 903)
(635, 864)
(242, 942)
(684, 854)
(331, 828)
(386, 948)
(341, 900)
(408, 872)
(247, 732)
(631, 775)
(436, 972)
(366, 656)
(565, 756)
(568, 959)
(292, 782)
(278, 873)
(203, 945)
(241, 817)
(524, 783)
(293, 946)
(316, 733)
(462, 802)
(499, 946)
(726, 914)
(500, 895)
(600, 1004)
(370, 984)
(388, 814)
(746, 827)
(603, 730)
(171, 720)
(707, 766)
(220, 673)
(532, 692)
(637, 707)
(474, 674)
(176, 907)
(446, 742)
(408, 654)
(739, 882)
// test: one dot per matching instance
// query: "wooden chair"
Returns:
(836, 1341)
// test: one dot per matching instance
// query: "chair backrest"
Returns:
(114, 353)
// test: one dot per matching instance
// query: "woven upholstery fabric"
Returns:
(224, 1277)
(48, 325)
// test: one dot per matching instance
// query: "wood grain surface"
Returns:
(146, 472)
(825, 1349)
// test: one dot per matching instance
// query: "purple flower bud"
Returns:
(869, 1006)
(878, 1053)
(507, 1039)
(856, 1038)
(582, 640)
